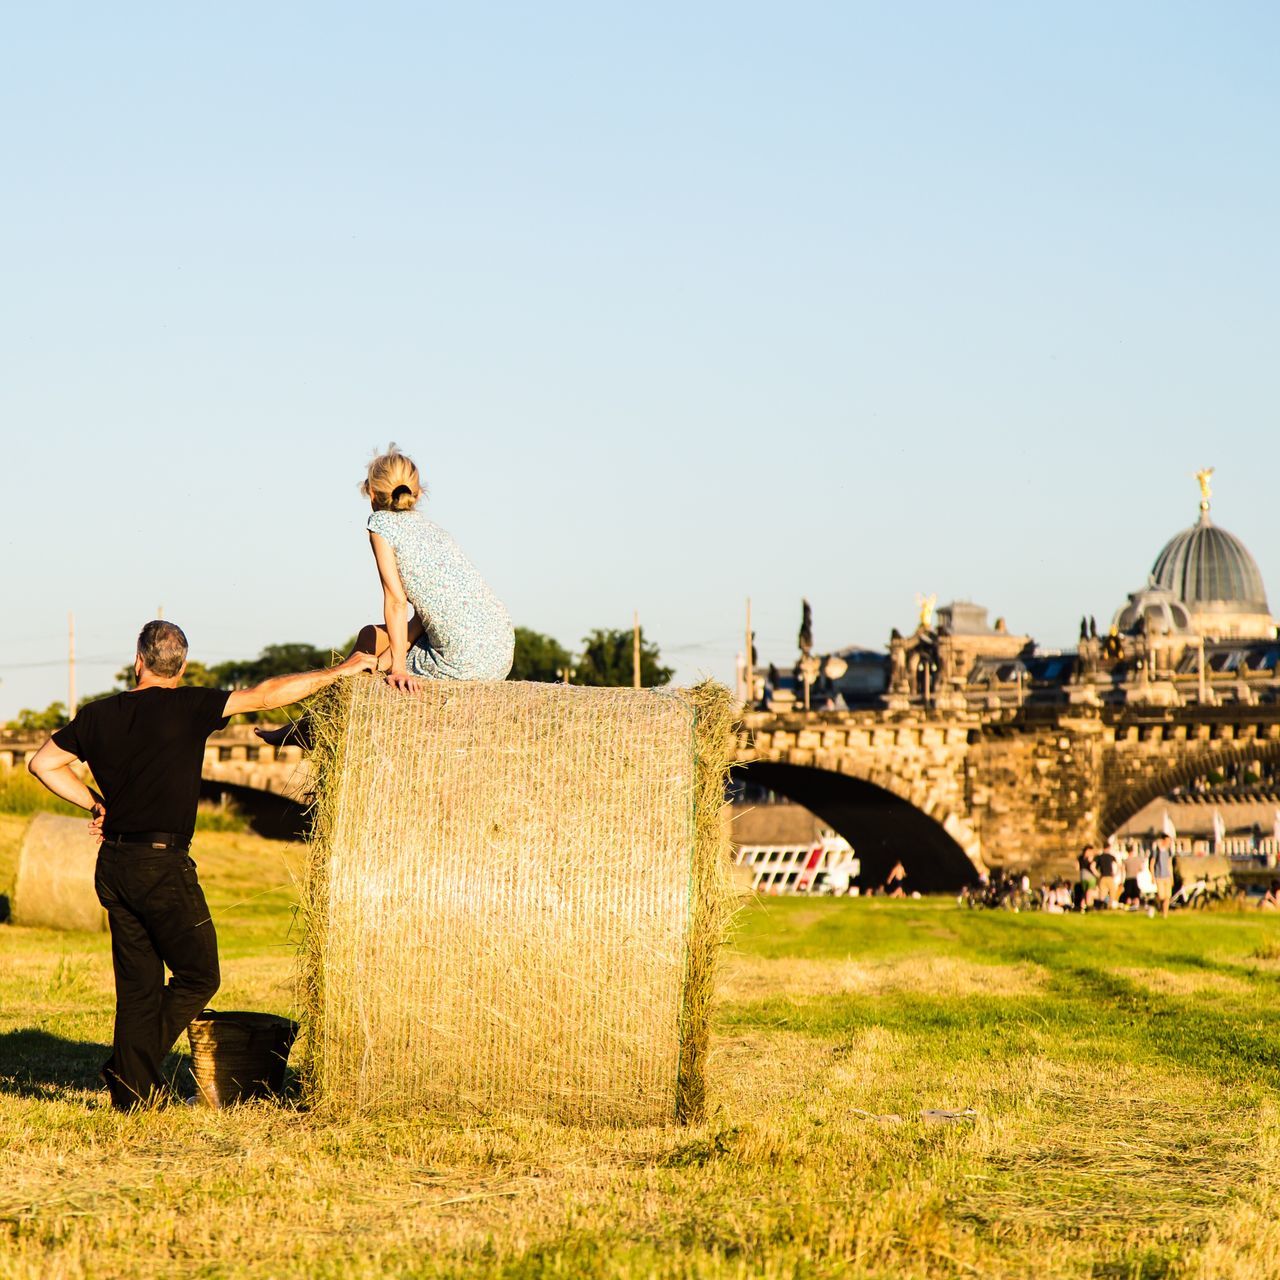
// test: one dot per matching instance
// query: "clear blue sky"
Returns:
(674, 304)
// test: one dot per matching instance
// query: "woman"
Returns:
(459, 629)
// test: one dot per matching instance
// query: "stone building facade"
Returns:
(979, 750)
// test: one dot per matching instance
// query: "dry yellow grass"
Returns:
(1123, 1129)
(750, 977)
(1187, 982)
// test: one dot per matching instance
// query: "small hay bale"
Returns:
(54, 888)
(515, 898)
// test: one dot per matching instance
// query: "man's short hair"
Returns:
(162, 648)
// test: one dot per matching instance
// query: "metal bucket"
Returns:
(236, 1056)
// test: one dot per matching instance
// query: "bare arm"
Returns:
(395, 605)
(51, 765)
(281, 691)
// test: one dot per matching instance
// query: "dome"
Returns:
(1157, 606)
(1213, 574)
(1211, 570)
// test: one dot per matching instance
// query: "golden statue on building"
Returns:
(1206, 489)
(926, 604)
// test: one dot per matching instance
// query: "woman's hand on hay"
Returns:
(403, 681)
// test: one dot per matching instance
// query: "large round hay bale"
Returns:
(515, 898)
(54, 888)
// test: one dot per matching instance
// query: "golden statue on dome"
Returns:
(1206, 490)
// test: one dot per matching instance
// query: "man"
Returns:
(1162, 871)
(1087, 877)
(1107, 864)
(896, 884)
(1135, 863)
(145, 749)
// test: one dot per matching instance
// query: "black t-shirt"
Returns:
(146, 750)
(1106, 863)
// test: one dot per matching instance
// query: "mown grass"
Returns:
(1123, 1071)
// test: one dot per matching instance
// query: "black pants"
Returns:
(158, 918)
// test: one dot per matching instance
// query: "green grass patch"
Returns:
(1123, 1071)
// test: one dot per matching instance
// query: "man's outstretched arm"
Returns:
(281, 691)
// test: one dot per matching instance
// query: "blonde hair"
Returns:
(392, 483)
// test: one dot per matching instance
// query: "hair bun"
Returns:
(400, 491)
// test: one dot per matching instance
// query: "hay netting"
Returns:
(54, 887)
(514, 900)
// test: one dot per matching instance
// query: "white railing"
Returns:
(1239, 847)
(790, 868)
(1230, 847)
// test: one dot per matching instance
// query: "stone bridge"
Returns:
(954, 793)
(950, 792)
(235, 759)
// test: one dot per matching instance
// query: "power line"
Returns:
(112, 661)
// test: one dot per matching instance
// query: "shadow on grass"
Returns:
(35, 1064)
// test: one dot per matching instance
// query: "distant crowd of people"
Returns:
(1115, 876)
(1128, 876)
(1125, 876)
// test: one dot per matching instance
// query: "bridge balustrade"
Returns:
(779, 868)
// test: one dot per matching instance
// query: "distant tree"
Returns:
(606, 660)
(196, 674)
(538, 657)
(54, 716)
(201, 676)
(274, 660)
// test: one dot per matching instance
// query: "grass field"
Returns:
(1124, 1072)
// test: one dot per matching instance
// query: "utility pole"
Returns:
(748, 662)
(635, 649)
(71, 666)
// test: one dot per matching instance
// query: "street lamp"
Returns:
(809, 668)
(929, 669)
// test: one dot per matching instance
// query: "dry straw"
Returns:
(514, 899)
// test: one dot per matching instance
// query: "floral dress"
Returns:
(467, 633)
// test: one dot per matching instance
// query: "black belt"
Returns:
(156, 839)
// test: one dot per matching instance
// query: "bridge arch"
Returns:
(268, 813)
(1131, 796)
(885, 819)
